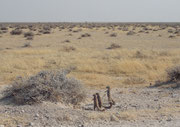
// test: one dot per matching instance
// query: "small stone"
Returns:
(2, 126)
(37, 115)
(22, 111)
(31, 124)
(114, 118)
(19, 125)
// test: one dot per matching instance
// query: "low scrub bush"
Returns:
(114, 46)
(28, 34)
(16, 32)
(47, 86)
(173, 73)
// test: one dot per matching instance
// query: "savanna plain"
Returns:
(50, 71)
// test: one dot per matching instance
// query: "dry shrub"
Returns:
(67, 41)
(4, 28)
(46, 32)
(171, 36)
(114, 46)
(30, 38)
(124, 29)
(75, 31)
(106, 32)
(86, 35)
(27, 45)
(28, 34)
(170, 31)
(131, 33)
(16, 32)
(141, 31)
(69, 48)
(173, 73)
(140, 55)
(47, 86)
(113, 35)
(47, 28)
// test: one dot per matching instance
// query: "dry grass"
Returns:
(145, 56)
(11, 121)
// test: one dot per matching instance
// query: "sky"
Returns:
(89, 10)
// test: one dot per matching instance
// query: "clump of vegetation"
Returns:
(47, 86)
(139, 54)
(113, 35)
(67, 41)
(4, 28)
(86, 35)
(124, 29)
(30, 38)
(69, 48)
(16, 32)
(27, 45)
(45, 30)
(114, 46)
(171, 36)
(170, 31)
(29, 35)
(173, 73)
(131, 33)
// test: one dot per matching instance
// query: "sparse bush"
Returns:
(46, 32)
(106, 32)
(47, 86)
(69, 48)
(171, 36)
(141, 31)
(170, 31)
(28, 34)
(16, 32)
(75, 31)
(47, 28)
(114, 46)
(113, 35)
(4, 28)
(26, 45)
(29, 38)
(86, 35)
(159, 35)
(145, 28)
(124, 29)
(67, 41)
(139, 54)
(173, 73)
(131, 33)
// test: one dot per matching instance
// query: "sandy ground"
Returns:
(137, 107)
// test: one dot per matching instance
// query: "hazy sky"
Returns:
(90, 10)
